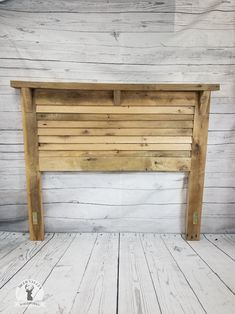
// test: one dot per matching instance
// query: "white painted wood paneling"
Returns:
(119, 273)
(118, 41)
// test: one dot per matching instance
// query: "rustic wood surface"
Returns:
(76, 41)
(120, 273)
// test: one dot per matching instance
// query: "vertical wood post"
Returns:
(35, 208)
(117, 97)
(196, 175)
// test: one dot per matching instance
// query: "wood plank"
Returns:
(146, 6)
(209, 289)
(112, 86)
(116, 109)
(115, 139)
(99, 146)
(126, 153)
(37, 268)
(223, 242)
(112, 117)
(136, 291)
(113, 164)
(117, 97)
(197, 173)
(98, 289)
(117, 124)
(217, 260)
(173, 291)
(9, 241)
(35, 207)
(113, 132)
(129, 98)
(65, 279)
(19, 256)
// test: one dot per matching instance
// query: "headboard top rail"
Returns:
(116, 86)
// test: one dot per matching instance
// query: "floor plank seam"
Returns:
(79, 285)
(150, 274)
(210, 267)
(46, 242)
(54, 266)
(118, 269)
(219, 248)
(12, 248)
(184, 275)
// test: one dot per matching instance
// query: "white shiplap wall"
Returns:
(118, 41)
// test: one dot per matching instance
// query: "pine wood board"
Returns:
(112, 117)
(115, 139)
(116, 124)
(98, 146)
(114, 164)
(116, 86)
(114, 131)
(115, 109)
(127, 98)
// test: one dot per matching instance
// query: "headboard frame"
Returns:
(115, 127)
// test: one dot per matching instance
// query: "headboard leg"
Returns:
(197, 173)
(35, 208)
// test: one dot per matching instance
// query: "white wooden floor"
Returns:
(120, 273)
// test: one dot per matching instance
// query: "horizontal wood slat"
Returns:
(115, 109)
(113, 164)
(114, 132)
(115, 139)
(105, 98)
(115, 86)
(112, 117)
(117, 124)
(98, 146)
(115, 153)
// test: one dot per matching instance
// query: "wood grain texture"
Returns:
(110, 86)
(136, 292)
(215, 260)
(199, 50)
(118, 143)
(119, 273)
(115, 139)
(213, 296)
(113, 164)
(197, 173)
(98, 289)
(38, 268)
(69, 272)
(114, 131)
(115, 109)
(170, 284)
(117, 124)
(123, 117)
(124, 153)
(35, 207)
(100, 97)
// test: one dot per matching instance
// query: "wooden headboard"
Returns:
(115, 127)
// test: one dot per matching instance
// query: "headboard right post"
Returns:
(197, 172)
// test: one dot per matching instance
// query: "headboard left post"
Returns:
(33, 176)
